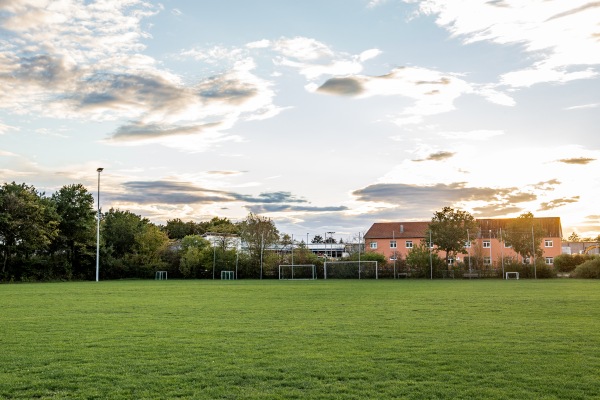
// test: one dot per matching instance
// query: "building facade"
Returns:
(395, 240)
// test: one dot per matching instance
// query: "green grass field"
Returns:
(304, 339)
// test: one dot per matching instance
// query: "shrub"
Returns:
(568, 262)
(588, 270)
(526, 271)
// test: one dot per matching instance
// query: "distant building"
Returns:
(581, 248)
(395, 239)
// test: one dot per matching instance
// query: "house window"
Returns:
(487, 261)
(549, 260)
(392, 244)
(409, 244)
(468, 245)
(451, 261)
(373, 245)
(487, 244)
(548, 243)
(507, 245)
(393, 257)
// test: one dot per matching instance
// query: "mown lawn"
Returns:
(305, 339)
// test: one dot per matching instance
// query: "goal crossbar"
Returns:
(360, 266)
(297, 271)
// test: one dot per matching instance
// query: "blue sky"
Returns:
(323, 115)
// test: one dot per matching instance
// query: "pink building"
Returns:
(396, 239)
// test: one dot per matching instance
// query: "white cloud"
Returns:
(369, 54)
(84, 61)
(6, 128)
(472, 135)
(583, 106)
(303, 49)
(561, 35)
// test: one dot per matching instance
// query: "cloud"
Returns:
(472, 135)
(176, 192)
(314, 59)
(342, 87)
(7, 128)
(433, 92)
(495, 210)
(577, 161)
(402, 194)
(439, 156)
(414, 199)
(545, 206)
(545, 29)
(137, 132)
(584, 106)
(275, 208)
(83, 60)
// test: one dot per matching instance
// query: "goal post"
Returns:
(350, 270)
(297, 272)
(227, 275)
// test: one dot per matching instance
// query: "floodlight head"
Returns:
(100, 169)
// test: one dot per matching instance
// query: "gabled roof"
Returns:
(382, 230)
(386, 230)
(551, 225)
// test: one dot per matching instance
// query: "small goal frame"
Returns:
(357, 263)
(160, 276)
(227, 275)
(312, 267)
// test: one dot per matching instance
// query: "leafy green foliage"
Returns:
(568, 262)
(449, 230)
(76, 228)
(525, 236)
(588, 270)
(421, 262)
(28, 224)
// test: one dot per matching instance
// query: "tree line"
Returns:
(54, 238)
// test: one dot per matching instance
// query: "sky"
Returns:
(326, 116)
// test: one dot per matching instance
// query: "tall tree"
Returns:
(574, 237)
(28, 222)
(119, 229)
(258, 232)
(449, 229)
(149, 245)
(77, 220)
(525, 236)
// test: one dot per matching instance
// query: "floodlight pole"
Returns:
(99, 170)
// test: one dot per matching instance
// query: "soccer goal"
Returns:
(350, 270)
(160, 275)
(298, 271)
(227, 275)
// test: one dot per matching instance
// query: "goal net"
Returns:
(350, 270)
(298, 271)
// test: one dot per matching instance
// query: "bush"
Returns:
(588, 270)
(568, 262)
(526, 271)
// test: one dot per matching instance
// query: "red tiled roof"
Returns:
(384, 230)
(397, 229)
